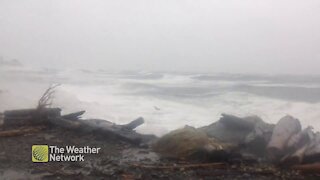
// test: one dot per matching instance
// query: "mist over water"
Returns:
(171, 41)
(166, 100)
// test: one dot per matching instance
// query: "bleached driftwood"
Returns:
(297, 146)
(283, 131)
(312, 154)
(295, 158)
(300, 139)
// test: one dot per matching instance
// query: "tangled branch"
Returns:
(47, 98)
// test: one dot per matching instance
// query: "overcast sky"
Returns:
(254, 36)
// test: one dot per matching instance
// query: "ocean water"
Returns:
(166, 100)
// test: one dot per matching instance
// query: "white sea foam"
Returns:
(166, 101)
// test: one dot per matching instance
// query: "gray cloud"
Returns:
(252, 36)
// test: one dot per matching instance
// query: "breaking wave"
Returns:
(166, 100)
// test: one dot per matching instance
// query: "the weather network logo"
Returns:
(40, 153)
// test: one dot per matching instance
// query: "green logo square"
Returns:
(40, 153)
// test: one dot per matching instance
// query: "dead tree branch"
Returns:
(47, 97)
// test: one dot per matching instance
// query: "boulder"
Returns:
(251, 134)
(191, 143)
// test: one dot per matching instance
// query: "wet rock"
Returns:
(191, 143)
(251, 134)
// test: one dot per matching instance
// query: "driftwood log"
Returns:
(32, 112)
(18, 118)
(64, 123)
(283, 131)
(52, 117)
(312, 154)
(105, 128)
(296, 157)
(73, 116)
(134, 124)
(297, 146)
(300, 139)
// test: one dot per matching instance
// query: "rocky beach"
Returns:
(186, 153)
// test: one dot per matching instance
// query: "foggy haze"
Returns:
(246, 36)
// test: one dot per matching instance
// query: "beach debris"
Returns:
(134, 124)
(300, 139)
(74, 116)
(247, 138)
(297, 146)
(250, 134)
(295, 157)
(290, 146)
(312, 153)
(47, 116)
(39, 115)
(224, 141)
(46, 99)
(229, 138)
(51, 117)
(23, 117)
(191, 143)
(286, 128)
